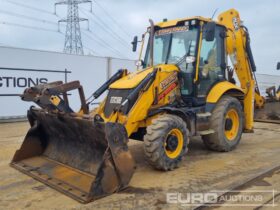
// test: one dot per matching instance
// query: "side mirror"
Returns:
(209, 30)
(134, 44)
(278, 66)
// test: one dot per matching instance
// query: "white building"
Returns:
(21, 68)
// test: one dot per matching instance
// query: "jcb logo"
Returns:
(235, 23)
(115, 100)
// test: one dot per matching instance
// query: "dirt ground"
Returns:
(201, 171)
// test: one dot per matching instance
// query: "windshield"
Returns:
(172, 45)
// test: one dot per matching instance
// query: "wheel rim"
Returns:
(231, 124)
(174, 143)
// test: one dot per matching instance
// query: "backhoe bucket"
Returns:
(270, 113)
(83, 159)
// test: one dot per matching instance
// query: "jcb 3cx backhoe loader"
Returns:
(183, 89)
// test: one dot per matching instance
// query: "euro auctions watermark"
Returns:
(223, 198)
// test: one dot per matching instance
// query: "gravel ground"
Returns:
(201, 171)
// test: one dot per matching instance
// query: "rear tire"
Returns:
(227, 122)
(166, 141)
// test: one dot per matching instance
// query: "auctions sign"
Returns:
(14, 81)
(20, 82)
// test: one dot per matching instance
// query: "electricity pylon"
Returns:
(73, 39)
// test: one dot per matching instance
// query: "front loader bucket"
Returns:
(270, 113)
(83, 159)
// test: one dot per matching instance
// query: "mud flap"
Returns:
(83, 159)
(270, 113)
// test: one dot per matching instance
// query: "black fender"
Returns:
(187, 115)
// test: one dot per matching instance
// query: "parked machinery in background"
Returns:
(271, 112)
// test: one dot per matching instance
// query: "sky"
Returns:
(113, 23)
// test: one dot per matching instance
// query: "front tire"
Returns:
(227, 122)
(166, 142)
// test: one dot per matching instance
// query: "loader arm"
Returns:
(239, 50)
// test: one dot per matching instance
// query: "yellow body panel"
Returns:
(166, 83)
(134, 78)
(220, 89)
(131, 80)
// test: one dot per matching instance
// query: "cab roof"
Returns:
(176, 21)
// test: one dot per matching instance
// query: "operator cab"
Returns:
(197, 47)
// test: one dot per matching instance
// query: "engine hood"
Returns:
(134, 78)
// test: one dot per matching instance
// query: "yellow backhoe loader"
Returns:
(183, 87)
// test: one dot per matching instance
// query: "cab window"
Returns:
(211, 63)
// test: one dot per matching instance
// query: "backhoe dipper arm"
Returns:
(239, 51)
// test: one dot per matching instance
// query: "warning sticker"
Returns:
(172, 78)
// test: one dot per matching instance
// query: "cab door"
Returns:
(212, 63)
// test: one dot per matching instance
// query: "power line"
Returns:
(106, 44)
(28, 27)
(29, 7)
(99, 41)
(27, 17)
(107, 29)
(113, 20)
(91, 50)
